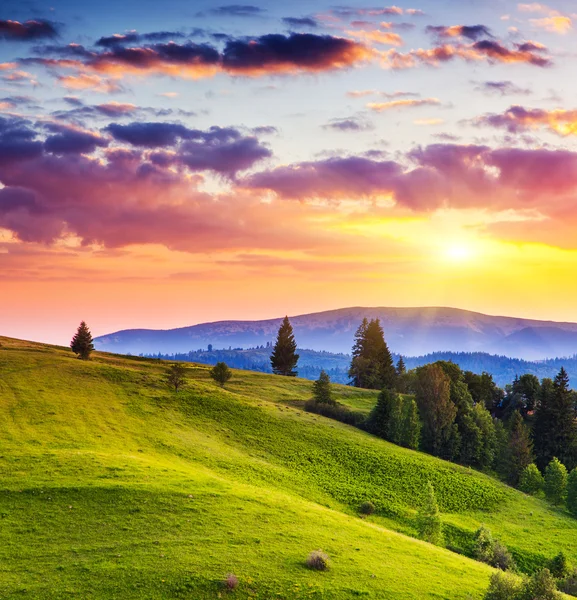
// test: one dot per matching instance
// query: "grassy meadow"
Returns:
(112, 486)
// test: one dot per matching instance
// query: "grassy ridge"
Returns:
(114, 487)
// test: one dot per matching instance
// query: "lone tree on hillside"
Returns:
(322, 389)
(555, 482)
(429, 521)
(175, 376)
(284, 358)
(221, 373)
(81, 343)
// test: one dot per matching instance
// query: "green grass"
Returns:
(114, 487)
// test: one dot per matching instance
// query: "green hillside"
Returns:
(114, 487)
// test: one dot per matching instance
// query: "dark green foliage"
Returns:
(559, 566)
(318, 561)
(572, 492)
(221, 373)
(322, 391)
(555, 431)
(429, 524)
(175, 376)
(483, 389)
(396, 419)
(284, 358)
(519, 454)
(401, 369)
(555, 482)
(531, 480)
(338, 412)
(372, 363)
(437, 411)
(81, 343)
(568, 585)
(367, 508)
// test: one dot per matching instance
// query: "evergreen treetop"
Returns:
(284, 358)
(82, 343)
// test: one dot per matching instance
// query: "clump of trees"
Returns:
(284, 358)
(372, 363)
(175, 377)
(540, 586)
(82, 344)
(221, 373)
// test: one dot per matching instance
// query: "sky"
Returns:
(169, 163)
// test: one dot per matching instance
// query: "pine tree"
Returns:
(378, 421)
(519, 449)
(555, 430)
(322, 389)
(284, 358)
(81, 343)
(401, 368)
(555, 481)
(395, 425)
(429, 524)
(221, 373)
(572, 492)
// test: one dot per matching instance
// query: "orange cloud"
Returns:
(404, 103)
(554, 24)
(517, 119)
(377, 36)
(84, 81)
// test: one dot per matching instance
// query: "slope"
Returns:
(113, 487)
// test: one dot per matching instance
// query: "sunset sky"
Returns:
(168, 163)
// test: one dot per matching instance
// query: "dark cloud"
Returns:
(518, 119)
(471, 32)
(132, 37)
(67, 140)
(353, 124)
(237, 10)
(302, 22)
(149, 135)
(28, 30)
(504, 88)
(496, 51)
(17, 140)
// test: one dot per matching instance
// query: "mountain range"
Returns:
(408, 331)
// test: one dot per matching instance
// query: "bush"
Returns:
(568, 585)
(338, 412)
(559, 566)
(502, 558)
(492, 551)
(555, 481)
(231, 582)
(318, 561)
(322, 389)
(531, 480)
(367, 508)
(503, 587)
(541, 586)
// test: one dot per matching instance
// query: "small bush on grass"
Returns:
(318, 561)
(503, 587)
(231, 582)
(541, 586)
(491, 551)
(568, 585)
(367, 508)
(559, 566)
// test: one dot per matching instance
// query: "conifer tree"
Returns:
(401, 369)
(429, 524)
(519, 449)
(572, 492)
(411, 432)
(378, 421)
(284, 358)
(555, 431)
(322, 389)
(81, 343)
(555, 481)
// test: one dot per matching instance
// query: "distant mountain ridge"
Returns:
(409, 331)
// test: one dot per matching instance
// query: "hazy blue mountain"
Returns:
(409, 331)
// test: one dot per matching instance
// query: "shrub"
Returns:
(531, 480)
(338, 412)
(367, 508)
(541, 586)
(568, 585)
(502, 558)
(231, 582)
(175, 376)
(318, 561)
(503, 587)
(559, 566)
(555, 481)
(492, 551)
(572, 492)
(322, 390)
(429, 522)
(221, 373)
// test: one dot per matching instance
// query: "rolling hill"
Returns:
(409, 331)
(114, 487)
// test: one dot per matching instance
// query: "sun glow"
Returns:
(458, 252)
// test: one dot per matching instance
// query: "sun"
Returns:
(458, 252)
